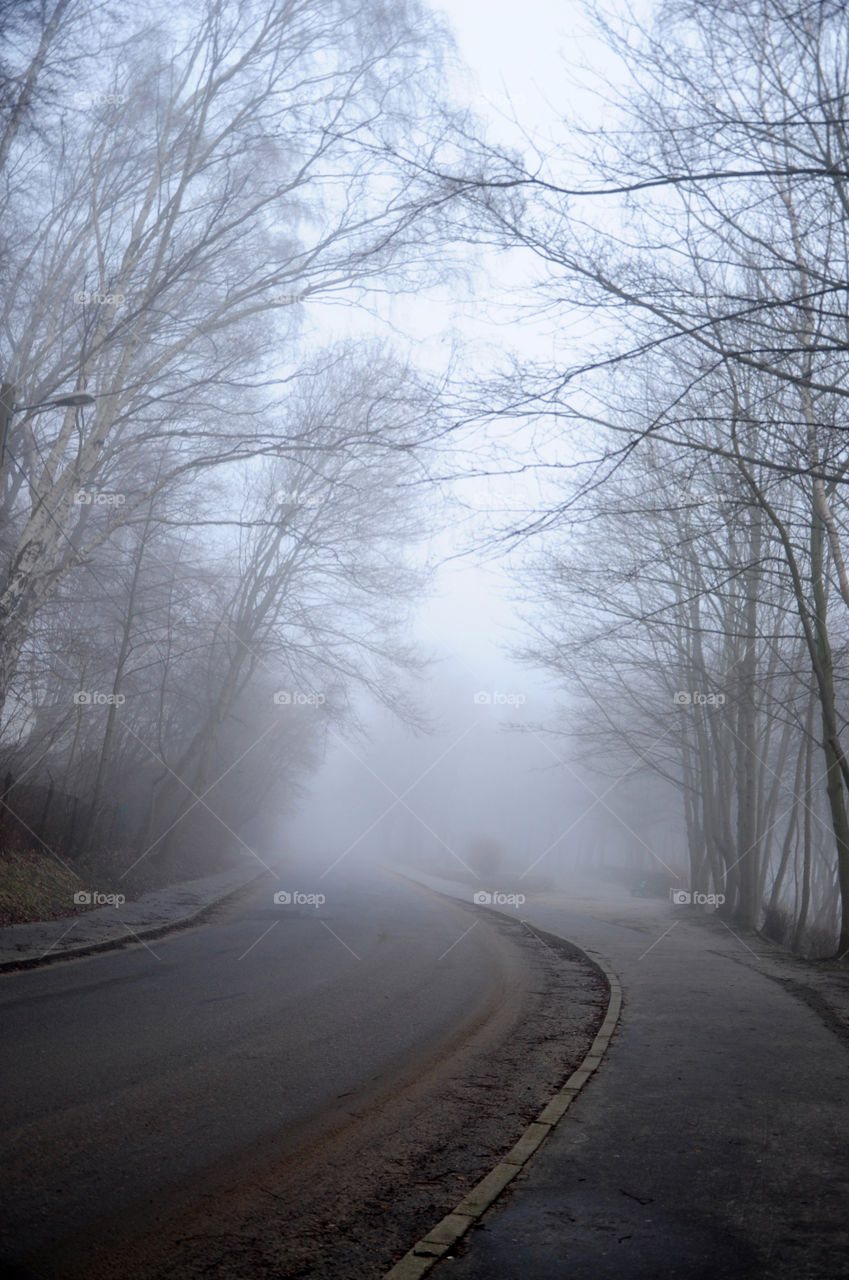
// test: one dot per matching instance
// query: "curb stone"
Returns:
(433, 1247)
(134, 935)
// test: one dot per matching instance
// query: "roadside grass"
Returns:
(35, 886)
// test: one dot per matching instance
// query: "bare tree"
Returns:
(208, 190)
(709, 233)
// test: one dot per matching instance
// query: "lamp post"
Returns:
(77, 400)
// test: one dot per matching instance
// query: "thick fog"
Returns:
(485, 790)
(403, 449)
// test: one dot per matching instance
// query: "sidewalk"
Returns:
(711, 1142)
(151, 915)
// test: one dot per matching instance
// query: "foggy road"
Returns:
(150, 1071)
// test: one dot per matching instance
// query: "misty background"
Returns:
(456, 470)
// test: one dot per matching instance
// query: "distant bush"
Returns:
(486, 856)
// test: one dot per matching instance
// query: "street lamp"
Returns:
(77, 400)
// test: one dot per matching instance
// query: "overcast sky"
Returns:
(523, 62)
(515, 54)
(517, 48)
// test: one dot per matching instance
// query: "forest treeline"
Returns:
(206, 553)
(689, 584)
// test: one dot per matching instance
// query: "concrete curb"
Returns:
(133, 937)
(425, 1254)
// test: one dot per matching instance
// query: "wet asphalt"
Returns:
(125, 1077)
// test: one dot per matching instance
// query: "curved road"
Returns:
(130, 1078)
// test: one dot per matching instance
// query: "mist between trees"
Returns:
(231, 520)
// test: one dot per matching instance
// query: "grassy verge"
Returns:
(35, 886)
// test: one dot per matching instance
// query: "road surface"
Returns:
(152, 1083)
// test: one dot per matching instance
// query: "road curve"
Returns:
(711, 1142)
(127, 1079)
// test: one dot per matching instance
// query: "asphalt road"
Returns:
(128, 1078)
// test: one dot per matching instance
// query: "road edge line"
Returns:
(432, 1248)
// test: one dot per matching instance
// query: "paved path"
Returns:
(47, 940)
(712, 1143)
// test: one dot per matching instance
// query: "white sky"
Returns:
(516, 48)
(518, 57)
(514, 51)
